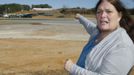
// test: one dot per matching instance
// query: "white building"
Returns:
(42, 9)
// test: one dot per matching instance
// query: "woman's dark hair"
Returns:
(126, 21)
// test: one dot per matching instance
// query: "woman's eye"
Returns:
(109, 11)
(98, 12)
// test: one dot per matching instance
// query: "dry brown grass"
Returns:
(36, 57)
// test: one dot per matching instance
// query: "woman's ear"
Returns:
(120, 16)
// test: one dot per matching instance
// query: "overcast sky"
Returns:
(62, 3)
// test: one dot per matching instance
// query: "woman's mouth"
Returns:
(104, 22)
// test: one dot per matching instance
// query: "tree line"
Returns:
(13, 7)
(76, 10)
(85, 11)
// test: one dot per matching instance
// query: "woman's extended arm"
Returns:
(90, 27)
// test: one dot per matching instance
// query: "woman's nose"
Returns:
(103, 14)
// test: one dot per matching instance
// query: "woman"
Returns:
(110, 50)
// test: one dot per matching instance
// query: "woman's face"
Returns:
(107, 16)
